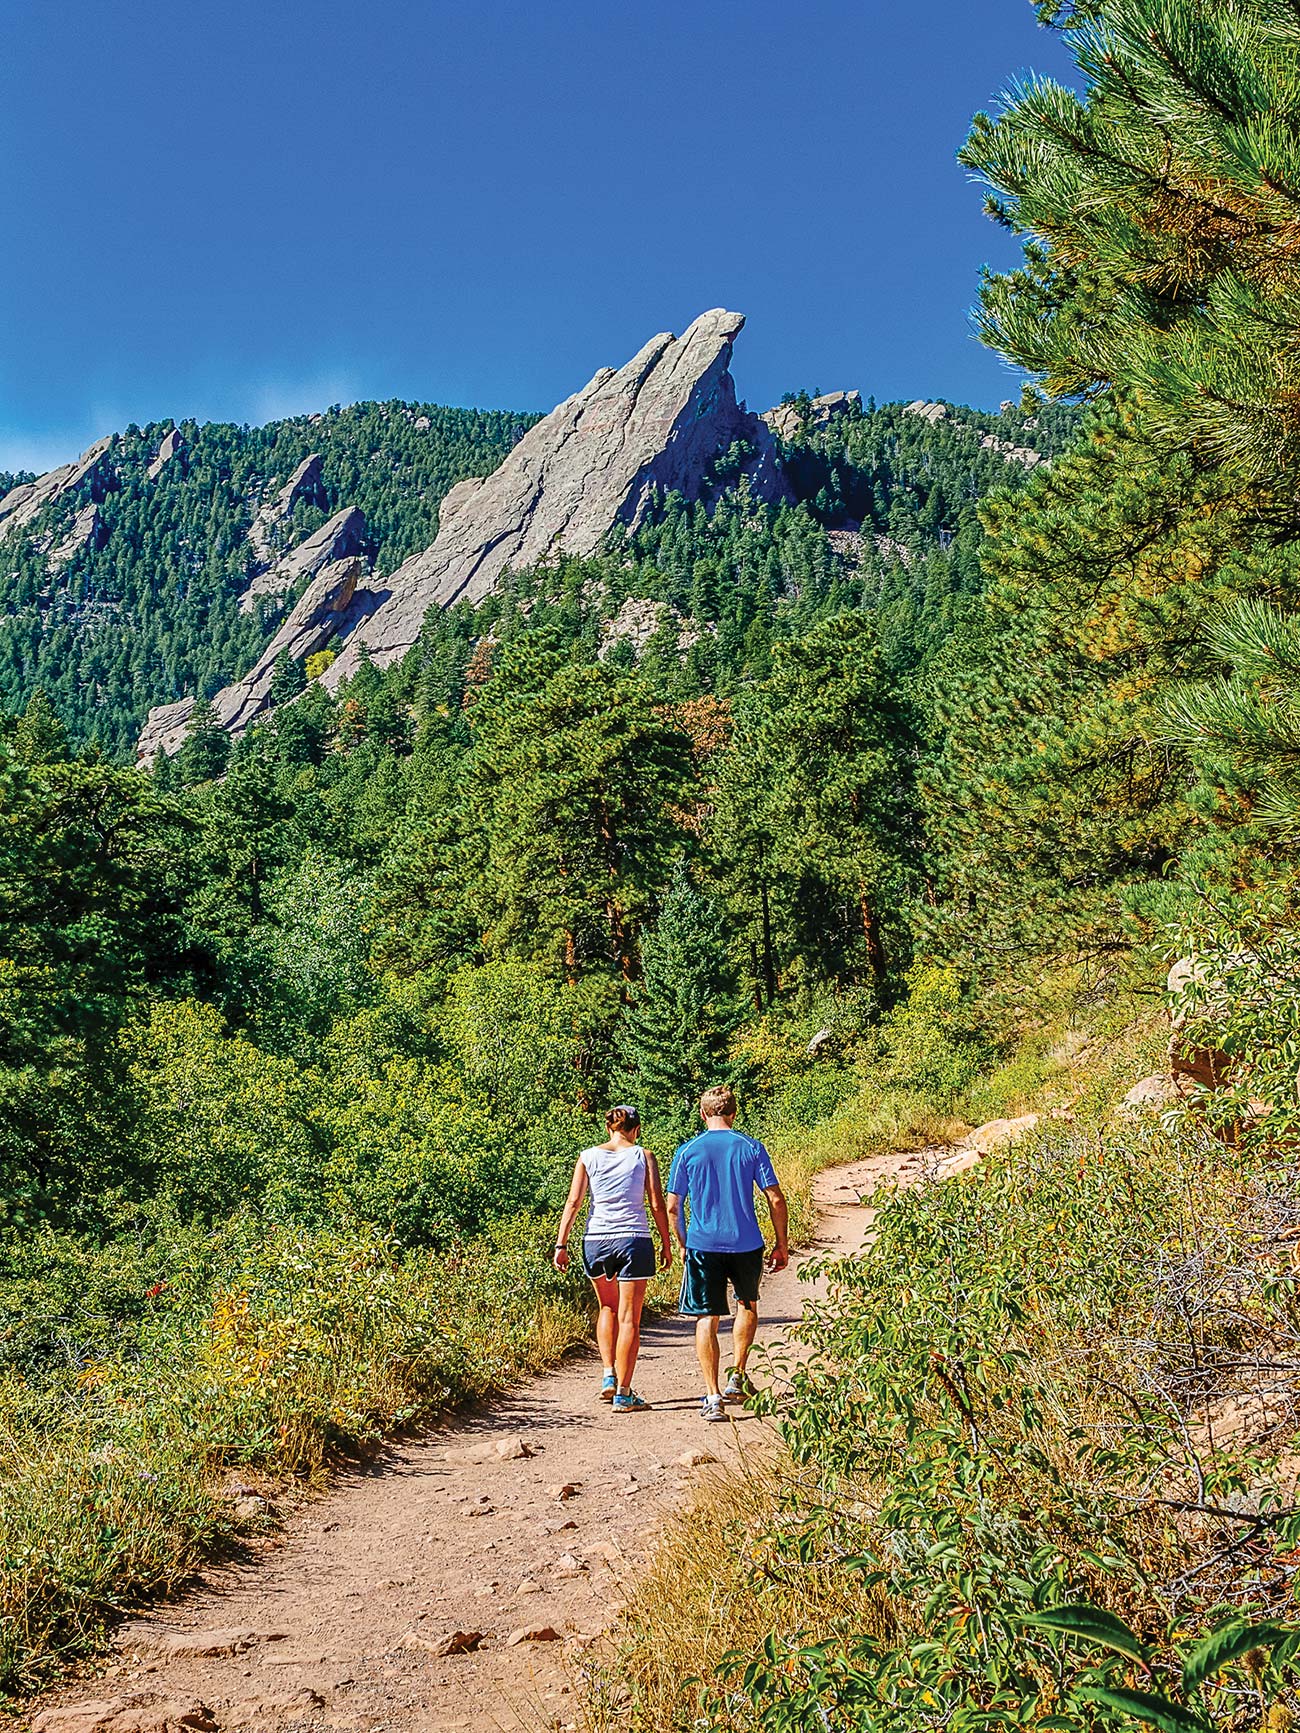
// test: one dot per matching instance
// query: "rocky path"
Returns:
(449, 1584)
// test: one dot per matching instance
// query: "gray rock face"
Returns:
(333, 603)
(86, 531)
(172, 446)
(164, 730)
(21, 504)
(339, 539)
(304, 484)
(786, 420)
(654, 425)
(460, 493)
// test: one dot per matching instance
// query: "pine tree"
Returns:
(40, 737)
(1160, 212)
(674, 1036)
(288, 679)
(1252, 714)
(206, 751)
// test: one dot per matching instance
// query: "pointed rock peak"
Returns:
(21, 504)
(632, 434)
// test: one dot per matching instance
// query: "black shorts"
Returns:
(704, 1283)
(630, 1260)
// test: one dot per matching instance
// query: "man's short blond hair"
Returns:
(719, 1102)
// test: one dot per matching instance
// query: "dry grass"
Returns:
(713, 1585)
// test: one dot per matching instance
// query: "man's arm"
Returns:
(780, 1227)
(675, 1220)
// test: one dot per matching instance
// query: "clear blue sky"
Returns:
(240, 209)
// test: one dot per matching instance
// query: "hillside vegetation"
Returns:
(1036, 1464)
(940, 765)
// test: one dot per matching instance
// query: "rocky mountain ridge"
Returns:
(633, 434)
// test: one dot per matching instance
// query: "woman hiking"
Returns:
(622, 1179)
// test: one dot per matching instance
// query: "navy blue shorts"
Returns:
(704, 1282)
(631, 1260)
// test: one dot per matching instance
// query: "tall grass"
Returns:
(312, 1345)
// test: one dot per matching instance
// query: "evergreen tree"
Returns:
(1160, 211)
(288, 679)
(571, 792)
(674, 1037)
(206, 750)
(40, 737)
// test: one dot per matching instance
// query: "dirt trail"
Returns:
(335, 1621)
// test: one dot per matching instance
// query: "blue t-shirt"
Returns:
(718, 1171)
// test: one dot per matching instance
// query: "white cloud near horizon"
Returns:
(42, 449)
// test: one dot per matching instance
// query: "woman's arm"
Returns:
(572, 1204)
(654, 1192)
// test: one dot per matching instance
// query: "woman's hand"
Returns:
(561, 1258)
(666, 1255)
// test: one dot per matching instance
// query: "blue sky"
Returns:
(252, 208)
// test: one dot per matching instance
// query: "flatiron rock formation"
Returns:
(653, 426)
(172, 446)
(331, 606)
(341, 538)
(304, 484)
(21, 504)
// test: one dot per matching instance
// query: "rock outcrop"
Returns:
(304, 484)
(164, 730)
(341, 538)
(87, 532)
(332, 605)
(22, 503)
(653, 426)
(1011, 451)
(787, 419)
(172, 446)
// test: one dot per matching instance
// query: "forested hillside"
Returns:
(892, 805)
(146, 608)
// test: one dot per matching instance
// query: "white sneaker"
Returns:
(711, 1408)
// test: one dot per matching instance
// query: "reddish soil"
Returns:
(335, 1620)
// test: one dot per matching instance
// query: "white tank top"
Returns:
(617, 1181)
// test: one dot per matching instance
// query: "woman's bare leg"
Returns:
(607, 1295)
(631, 1298)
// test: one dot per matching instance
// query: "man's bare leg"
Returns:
(706, 1349)
(743, 1331)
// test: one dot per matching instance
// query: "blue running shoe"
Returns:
(609, 1387)
(628, 1402)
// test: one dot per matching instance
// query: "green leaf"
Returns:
(1093, 1625)
(1227, 1644)
(1144, 1706)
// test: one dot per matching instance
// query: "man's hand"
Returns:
(561, 1258)
(666, 1255)
(779, 1258)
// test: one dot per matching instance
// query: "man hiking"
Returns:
(723, 1244)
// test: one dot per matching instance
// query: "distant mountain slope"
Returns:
(165, 562)
(123, 589)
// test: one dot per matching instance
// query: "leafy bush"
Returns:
(1035, 1390)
